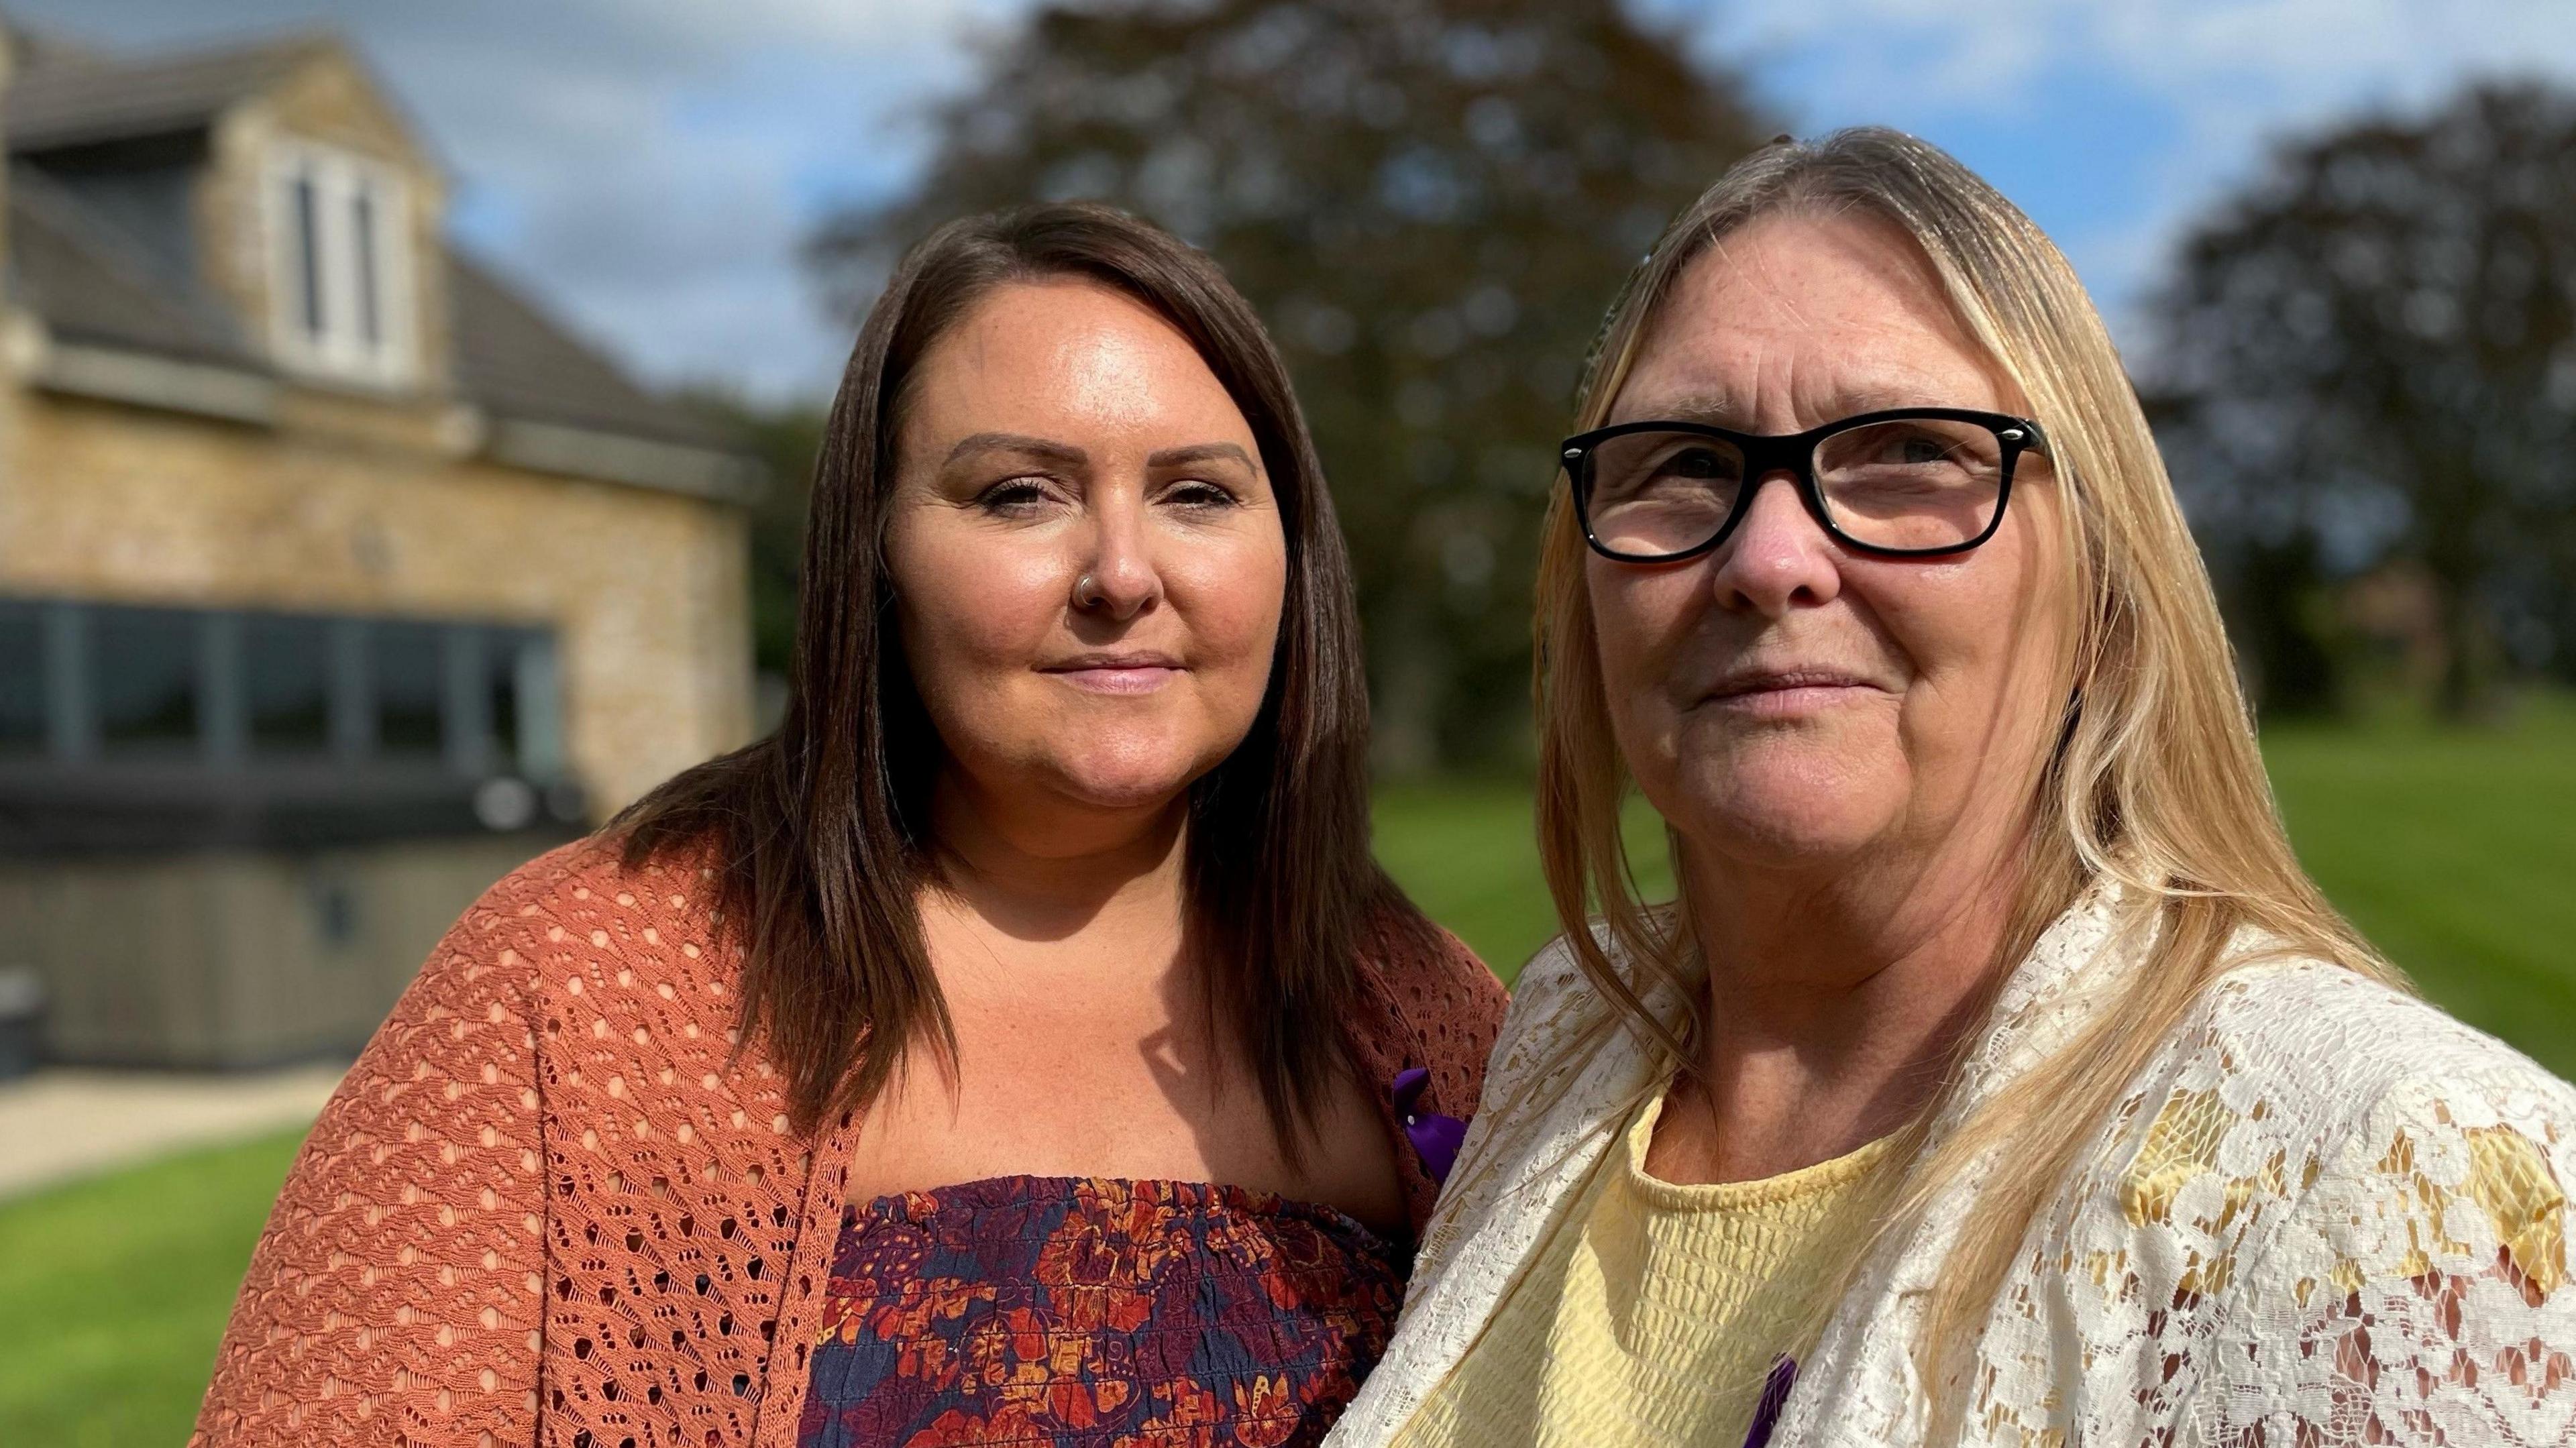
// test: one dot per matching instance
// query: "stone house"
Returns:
(335, 577)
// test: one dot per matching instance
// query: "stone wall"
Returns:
(647, 591)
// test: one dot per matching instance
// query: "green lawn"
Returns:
(2455, 851)
(113, 1294)
(1464, 851)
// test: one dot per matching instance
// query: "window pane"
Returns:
(501, 669)
(143, 665)
(286, 667)
(307, 242)
(362, 231)
(408, 671)
(22, 678)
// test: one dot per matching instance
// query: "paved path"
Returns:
(67, 1122)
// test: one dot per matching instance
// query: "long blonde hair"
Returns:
(2155, 785)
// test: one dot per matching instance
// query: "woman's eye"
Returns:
(1696, 463)
(1200, 495)
(1018, 495)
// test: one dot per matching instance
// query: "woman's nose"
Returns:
(1118, 580)
(1779, 558)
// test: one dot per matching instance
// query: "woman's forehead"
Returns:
(1845, 392)
(1828, 316)
(1079, 365)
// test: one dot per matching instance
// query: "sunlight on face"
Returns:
(1062, 432)
(1784, 700)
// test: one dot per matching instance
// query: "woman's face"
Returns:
(1087, 560)
(1785, 701)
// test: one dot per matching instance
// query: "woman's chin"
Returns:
(1126, 783)
(1122, 796)
(1778, 817)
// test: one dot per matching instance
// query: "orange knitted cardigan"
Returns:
(547, 1207)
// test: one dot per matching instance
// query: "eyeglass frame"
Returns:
(1766, 455)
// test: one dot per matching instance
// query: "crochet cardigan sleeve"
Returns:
(549, 1205)
(397, 1292)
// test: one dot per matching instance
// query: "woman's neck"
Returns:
(1835, 999)
(1038, 867)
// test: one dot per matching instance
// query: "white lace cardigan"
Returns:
(2325, 1214)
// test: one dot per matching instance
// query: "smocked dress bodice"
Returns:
(1069, 1312)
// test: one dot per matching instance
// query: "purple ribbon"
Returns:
(1435, 1138)
(1775, 1396)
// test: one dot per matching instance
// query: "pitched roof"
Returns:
(91, 283)
(73, 99)
(94, 278)
(515, 361)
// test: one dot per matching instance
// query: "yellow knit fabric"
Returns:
(1651, 1314)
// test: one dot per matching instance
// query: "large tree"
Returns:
(2371, 356)
(1430, 201)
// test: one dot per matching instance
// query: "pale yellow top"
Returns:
(1652, 1313)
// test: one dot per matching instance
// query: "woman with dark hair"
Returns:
(1020, 1045)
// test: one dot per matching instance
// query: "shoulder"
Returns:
(1549, 976)
(1433, 991)
(577, 918)
(2433, 1190)
(2403, 1107)
(2336, 1033)
(590, 875)
(2402, 1065)
(1556, 1004)
(1558, 1028)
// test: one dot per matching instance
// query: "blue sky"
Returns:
(649, 166)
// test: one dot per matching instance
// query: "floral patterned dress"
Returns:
(1064, 1312)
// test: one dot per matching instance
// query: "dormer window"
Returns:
(342, 285)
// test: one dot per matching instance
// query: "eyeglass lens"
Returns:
(1901, 484)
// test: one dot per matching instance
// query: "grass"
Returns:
(1464, 851)
(2455, 851)
(113, 1294)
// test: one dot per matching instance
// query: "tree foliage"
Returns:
(2371, 356)
(1430, 201)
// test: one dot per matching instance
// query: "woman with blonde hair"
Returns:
(1998, 1075)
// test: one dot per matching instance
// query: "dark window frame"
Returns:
(473, 660)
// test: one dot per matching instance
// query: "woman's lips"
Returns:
(1789, 693)
(1142, 679)
(1141, 674)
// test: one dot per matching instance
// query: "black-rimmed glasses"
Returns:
(1909, 483)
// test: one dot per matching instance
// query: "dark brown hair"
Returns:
(819, 830)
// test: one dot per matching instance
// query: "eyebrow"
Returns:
(1200, 452)
(1718, 409)
(1067, 456)
(1061, 454)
